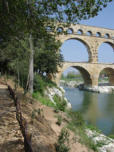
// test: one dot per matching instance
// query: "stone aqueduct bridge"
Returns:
(92, 37)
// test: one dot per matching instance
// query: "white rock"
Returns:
(51, 92)
(101, 89)
(108, 143)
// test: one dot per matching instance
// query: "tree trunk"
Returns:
(31, 66)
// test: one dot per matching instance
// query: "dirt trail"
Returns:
(11, 139)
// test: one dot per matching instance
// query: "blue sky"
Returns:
(74, 50)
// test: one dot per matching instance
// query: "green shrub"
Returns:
(93, 128)
(111, 136)
(63, 141)
(40, 83)
(42, 99)
(60, 103)
(59, 120)
(76, 118)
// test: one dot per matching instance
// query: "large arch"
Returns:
(85, 74)
(108, 72)
(82, 42)
(106, 52)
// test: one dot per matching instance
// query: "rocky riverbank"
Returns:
(105, 88)
(98, 89)
(102, 142)
(70, 84)
(60, 92)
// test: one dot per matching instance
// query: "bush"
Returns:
(60, 103)
(40, 83)
(111, 136)
(43, 99)
(63, 141)
(59, 120)
(76, 118)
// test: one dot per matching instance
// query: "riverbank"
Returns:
(43, 126)
(98, 89)
(103, 88)
(102, 142)
(99, 142)
(46, 123)
(70, 84)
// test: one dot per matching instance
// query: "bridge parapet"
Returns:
(89, 30)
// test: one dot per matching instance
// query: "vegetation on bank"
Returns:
(74, 120)
(71, 76)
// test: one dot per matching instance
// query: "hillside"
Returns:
(41, 125)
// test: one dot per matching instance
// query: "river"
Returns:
(97, 109)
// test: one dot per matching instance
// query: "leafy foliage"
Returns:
(42, 99)
(76, 118)
(59, 120)
(47, 56)
(60, 103)
(63, 141)
(40, 83)
(31, 16)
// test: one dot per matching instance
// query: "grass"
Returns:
(111, 136)
(78, 126)
(42, 99)
(60, 104)
(63, 141)
(59, 120)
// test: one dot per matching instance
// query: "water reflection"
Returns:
(97, 109)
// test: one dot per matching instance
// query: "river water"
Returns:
(97, 109)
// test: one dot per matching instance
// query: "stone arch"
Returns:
(107, 36)
(48, 28)
(98, 34)
(70, 31)
(84, 72)
(83, 42)
(89, 33)
(80, 32)
(110, 53)
(60, 29)
(110, 73)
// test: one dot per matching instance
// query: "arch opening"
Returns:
(80, 32)
(98, 34)
(77, 75)
(89, 33)
(48, 29)
(59, 30)
(107, 36)
(106, 53)
(70, 31)
(75, 50)
(106, 77)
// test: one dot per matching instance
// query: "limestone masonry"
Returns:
(92, 37)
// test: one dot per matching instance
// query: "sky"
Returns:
(75, 51)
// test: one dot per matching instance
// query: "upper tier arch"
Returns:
(91, 40)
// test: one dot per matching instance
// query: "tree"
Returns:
(47, 57)
(22, 17)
